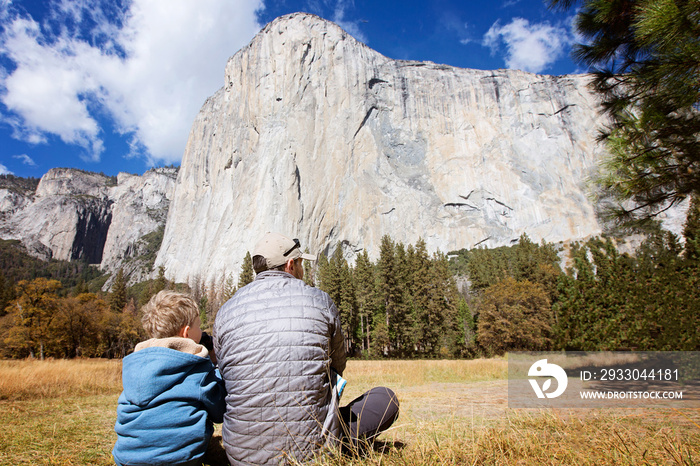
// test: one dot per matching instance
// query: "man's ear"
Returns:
(289, 266)
(184, 332)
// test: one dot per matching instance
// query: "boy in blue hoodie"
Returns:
(172, 391)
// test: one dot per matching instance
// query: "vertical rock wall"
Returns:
(317, 136)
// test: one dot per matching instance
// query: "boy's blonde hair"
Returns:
(167, 312)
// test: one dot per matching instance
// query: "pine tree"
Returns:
(536, 263)
(247, 274)
(649, 301)
(422, 282)
(365, 296)
(213, 304)
(336, 280)
(570, 311)
(4, 301)
(646, 55)
(691, 231)
(466, 341)
(203, 306)
(486, 267)
(8, 296)
(389, 292)
(129, 331)
(118, 297)
(402, 312)
(332, 276)
(322, 270)
(657, 318)
(348, 310)
(161, 283)
(594, 299)
(80, 288)
(229, 288)
(447, 301)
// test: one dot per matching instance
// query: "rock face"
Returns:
(319, 137)
(67, 218)
(140, 208)
(76, 215)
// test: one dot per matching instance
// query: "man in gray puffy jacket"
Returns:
(280, 349)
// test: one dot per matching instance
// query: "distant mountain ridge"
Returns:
(78, 215)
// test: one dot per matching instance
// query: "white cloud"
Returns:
(149, 69)
(4, 170)
(450, 21)
(49, 86)
(27, 160)
(529, 47)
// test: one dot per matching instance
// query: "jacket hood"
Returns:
(177, 343)
(157, 365)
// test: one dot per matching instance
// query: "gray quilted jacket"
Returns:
(276, 341)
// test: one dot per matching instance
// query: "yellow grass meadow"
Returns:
(452, 413)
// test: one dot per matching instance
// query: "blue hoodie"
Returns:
(172, 394)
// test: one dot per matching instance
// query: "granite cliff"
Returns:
(315, 135)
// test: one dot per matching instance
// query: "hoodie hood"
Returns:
(184, 345)
(158, 365)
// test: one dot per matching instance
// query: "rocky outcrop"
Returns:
(66, 218)
(317, 136)
(15, 194)
(140, 208)
(77, 215)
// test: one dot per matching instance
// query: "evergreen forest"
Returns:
(405, 304)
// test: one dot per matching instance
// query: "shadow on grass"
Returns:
(371, 449)
(383, 447)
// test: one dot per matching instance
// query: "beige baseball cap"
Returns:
(277, 249)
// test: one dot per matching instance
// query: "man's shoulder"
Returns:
(309, 290)
(267, 285)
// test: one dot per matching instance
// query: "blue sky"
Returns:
(114, 85)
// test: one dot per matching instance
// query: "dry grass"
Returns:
(70, 430)
(452, 413)
(31, 379)
(400, 374)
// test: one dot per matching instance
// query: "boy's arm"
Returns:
(208, 342)
(214, 395)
